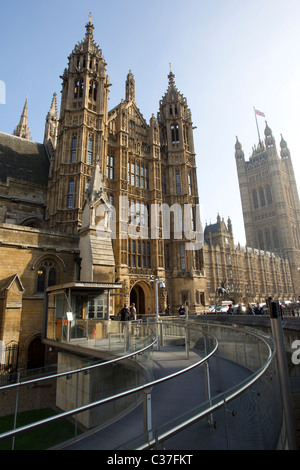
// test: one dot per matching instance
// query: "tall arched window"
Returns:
(175, 133)
(255, 199)
(269, 194)
(261, 240)
(90, 150)
(93, 90)
(46, 275)
(276, 238)
(268, 239)
(78, 88)
(262, 197)
(73, 148)
(178, 183)
(70, 200)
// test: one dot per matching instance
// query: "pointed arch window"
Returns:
(178, 183)
(164, 183)
(182, 257)
(70, 200)
(78, 88)
(46, 275)
(262, 197)
(110, 166)
(261, 240)
(93, 90)
(255, 198)
(269, 194)
(276, 238)
(268, 240)
(90, 150)
(175, 133)
(73, 148)
(190, 184)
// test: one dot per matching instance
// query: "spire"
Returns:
(171, 78)
(22, 129)
(88, 43)
(89, 35)
(53, 107)
(130, 87)
(51, 125)
(269, 139)
(239, 154)
(284, 152)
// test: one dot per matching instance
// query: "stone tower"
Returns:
(179, 190)
(270, 201)
(81, 135)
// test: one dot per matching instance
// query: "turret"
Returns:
(51, 124)
(82, 133)
(130, 87)
(284, 152)
(239, 154)
(22, 129)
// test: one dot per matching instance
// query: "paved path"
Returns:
(176, 397)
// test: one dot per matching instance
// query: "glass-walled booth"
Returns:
(78, 310)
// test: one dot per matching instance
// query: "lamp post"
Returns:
(157, 280)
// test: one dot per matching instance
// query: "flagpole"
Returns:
(256, 124)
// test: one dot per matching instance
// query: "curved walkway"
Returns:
(171, 399)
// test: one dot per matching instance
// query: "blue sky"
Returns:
(227, 56)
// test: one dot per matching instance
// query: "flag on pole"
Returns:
(259, 113)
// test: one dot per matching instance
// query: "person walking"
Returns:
(133, 315)
(230, 310)
(168, 310)
(124, 313)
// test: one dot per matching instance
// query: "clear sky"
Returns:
(227, 56)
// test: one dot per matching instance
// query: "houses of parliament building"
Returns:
(85, 212)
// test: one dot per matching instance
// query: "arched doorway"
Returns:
(36, 354)
(137, 296)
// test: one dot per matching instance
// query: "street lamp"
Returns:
(157, 280)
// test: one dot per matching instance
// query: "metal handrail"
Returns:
(82, 408)
(75, 371)
(233, 393)
(221, 402)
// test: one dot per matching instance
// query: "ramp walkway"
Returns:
(174, 399)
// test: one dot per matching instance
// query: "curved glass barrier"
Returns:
(225, 377)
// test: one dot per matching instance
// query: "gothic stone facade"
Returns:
(270, 201)
(82, 206)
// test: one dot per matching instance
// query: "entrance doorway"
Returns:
(137, 296)
(36, 354)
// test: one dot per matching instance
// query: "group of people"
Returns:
(250, 310)
(127, 314)
(181, 310)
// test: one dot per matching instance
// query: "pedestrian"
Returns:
(168, 310)
(230, 310)
(249, 310)
(124, 313)
(239, 310)
(133, 312)
(257, 309)
(181, 310)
